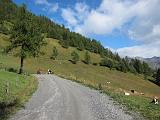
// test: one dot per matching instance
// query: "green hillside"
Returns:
(107, 71)
(13, 17)
(92, 74)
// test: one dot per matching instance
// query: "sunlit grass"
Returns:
(14, 91)
(92, 76)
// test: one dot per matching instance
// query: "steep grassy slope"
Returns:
(80, 71)
(90, 75)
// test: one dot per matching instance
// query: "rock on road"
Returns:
(59, 99)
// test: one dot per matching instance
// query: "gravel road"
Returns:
(59, 99)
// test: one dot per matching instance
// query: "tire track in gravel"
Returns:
(60, 99)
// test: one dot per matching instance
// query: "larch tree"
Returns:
(75, 57)
(54, 53)
(87, 58)
(26, 38)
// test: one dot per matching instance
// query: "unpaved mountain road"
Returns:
(59, 99)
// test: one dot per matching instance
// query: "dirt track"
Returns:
(59, 99)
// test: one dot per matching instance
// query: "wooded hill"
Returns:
(8, 16)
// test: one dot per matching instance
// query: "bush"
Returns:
(107, 63)
(6, 107)
(95, 64)
(12, 70)
(54, 53)
(75, 57)
(99, 86)
(80, 49)
(87, 58)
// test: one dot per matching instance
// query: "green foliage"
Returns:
(12, 70)
(65, 41)
(158, 76)
(53, 30)
(100, 87)
(65, 44)
(80, 46)
(138, 66)
(75, 57)
(54, 53)
(107, 62)
(9, 12)
(20, 88)
(25, 36)
(87, 58)
(146, 70)
(122, 67)
(95, 64)
(141, 67)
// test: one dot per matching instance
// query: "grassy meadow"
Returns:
(91, 75)
(15, 90)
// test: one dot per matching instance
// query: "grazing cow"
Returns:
(49, 71)
(155, 100)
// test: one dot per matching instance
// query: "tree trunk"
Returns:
(21, 66)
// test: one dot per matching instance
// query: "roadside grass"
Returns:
(15, 90)
(137, 104)
(92, 76)
(133, 104)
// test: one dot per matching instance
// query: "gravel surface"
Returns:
(59, 99)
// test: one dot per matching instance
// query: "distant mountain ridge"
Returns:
(154, 62)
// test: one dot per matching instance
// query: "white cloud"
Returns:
(145, 50)
(114, 15)
(112, 49)
(82, 11)
(108, 16)
(69, 16)
(49, 7)
(42, 2)
(54, 7)
(74, 17)
(147, 25)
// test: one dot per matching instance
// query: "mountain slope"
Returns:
(90, 74)
(154, 62)
(9, 14)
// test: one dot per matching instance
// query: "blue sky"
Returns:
(124, 26)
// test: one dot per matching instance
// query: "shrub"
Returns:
(107, 63)
(87, 58)
(54, 53)
(75, 57)
(99, 86)
(95, 64)
(12, 70)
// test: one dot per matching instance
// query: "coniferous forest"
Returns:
(67, 38)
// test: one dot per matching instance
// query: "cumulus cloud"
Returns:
(54, 7)
(75, 17)
(49, 7)
(108, 16)
(69, 16)
(141, 15)
(42, 2)
(145, 50)
(147, 25)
